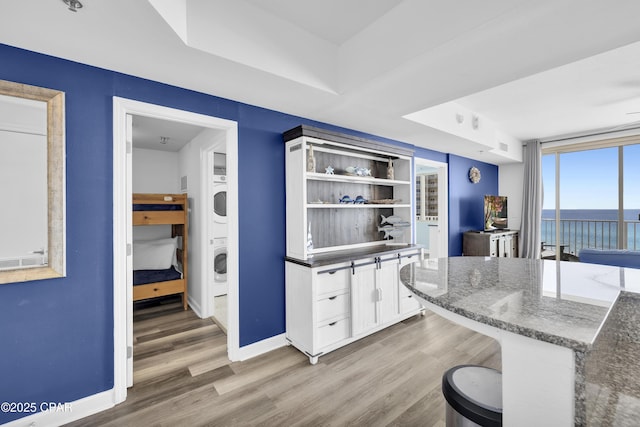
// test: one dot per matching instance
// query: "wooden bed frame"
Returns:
(178, 219)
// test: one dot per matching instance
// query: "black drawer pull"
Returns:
(333, 272)
(410, 296)
(332, 323)
(333, 297)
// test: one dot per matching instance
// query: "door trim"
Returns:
(122, 107)
(443, 201)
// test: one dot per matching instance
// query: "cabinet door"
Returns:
(388, 278)
(495, 246)
(406, 301)
(364, 297)
(507, 243)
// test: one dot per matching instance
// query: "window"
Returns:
(590, 199)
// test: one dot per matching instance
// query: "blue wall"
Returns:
(466, 199)
(56, 336)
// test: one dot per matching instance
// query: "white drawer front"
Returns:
(408, 303)
(334, 306)
(334, 332)
(332, 282)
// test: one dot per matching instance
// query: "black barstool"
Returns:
(474, 396)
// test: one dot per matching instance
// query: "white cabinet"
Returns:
(375, 293)
(329, 306)
(366, 298)
(492, 244)
(320, 218)
(343, 258)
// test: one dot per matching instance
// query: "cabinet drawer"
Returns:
(333, 332)
(332, 282)
(333, 306)
(408, 303)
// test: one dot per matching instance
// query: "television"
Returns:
(495, 213)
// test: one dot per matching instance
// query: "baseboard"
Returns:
(195, 307)
(67, 412)
(261, 347)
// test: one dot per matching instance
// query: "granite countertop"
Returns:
(612, 368)
(336, 257)
(592, 309)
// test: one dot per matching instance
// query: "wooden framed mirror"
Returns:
(32, 182)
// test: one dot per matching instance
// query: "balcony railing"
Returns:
(576, 234)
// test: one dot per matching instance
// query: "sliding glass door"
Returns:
(590, 198)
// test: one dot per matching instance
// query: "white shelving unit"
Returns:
(313, 197)
(346, 286)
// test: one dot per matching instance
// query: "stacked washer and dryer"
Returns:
(220, 224)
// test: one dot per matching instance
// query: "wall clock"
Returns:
(474, 175)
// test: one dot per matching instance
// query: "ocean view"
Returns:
(591, 228)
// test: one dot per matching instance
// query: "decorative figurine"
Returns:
(309, 241)
(395, 227)
(357, 171)
(360, 200)
(311, 160)
(328, 170)
(345, 199)
(390, 173)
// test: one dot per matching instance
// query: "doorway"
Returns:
(123, 110)
(432, 207)
(218, 234)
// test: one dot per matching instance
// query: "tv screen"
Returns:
(495, 213)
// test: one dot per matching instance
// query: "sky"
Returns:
(589, 179)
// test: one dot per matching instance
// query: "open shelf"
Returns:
(354, 179)
(314, 226)
(355, 206)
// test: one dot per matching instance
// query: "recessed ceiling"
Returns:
(530, 69)
(333, 20)
(600, 93)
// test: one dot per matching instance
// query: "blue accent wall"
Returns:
(466, 199)
(56, 336)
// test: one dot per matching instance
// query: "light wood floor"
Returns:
(392, 378)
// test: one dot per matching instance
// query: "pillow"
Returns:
(154, 254)
(173, 240)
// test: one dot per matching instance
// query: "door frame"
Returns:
(443, 201)
(122, 286)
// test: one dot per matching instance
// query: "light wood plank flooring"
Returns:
(392, 378)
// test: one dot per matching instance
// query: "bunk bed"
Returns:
(160, 266)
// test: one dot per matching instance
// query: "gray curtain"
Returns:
(531, 201)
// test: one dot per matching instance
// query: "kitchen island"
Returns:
(568, 332)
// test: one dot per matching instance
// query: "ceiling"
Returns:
(467, 77)
(155, 134)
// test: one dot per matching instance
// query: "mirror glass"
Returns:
(23, 177)
(32, 182)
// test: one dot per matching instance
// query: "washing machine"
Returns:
(219, 266)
